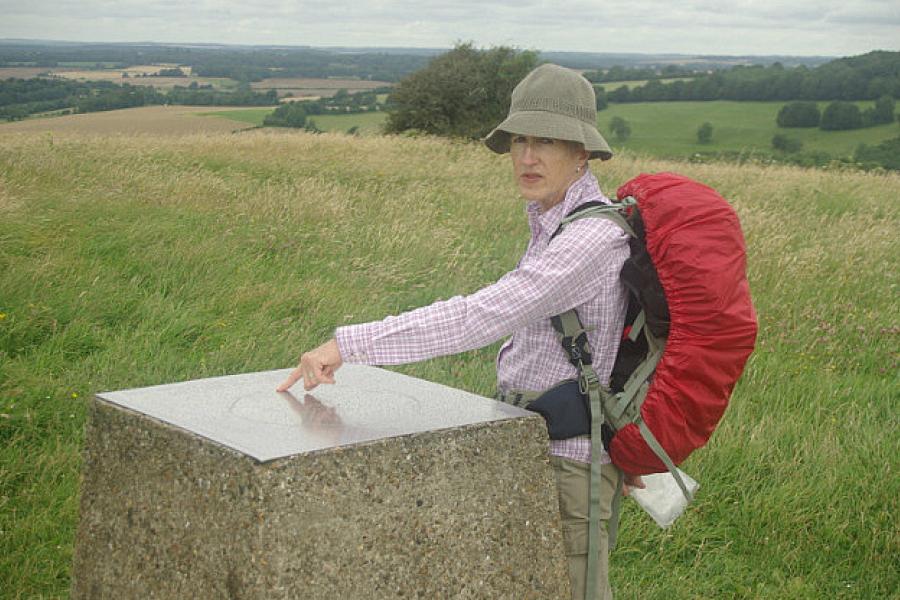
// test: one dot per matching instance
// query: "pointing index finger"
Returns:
(293, 378)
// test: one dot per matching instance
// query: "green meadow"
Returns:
(254, 116)
(367, 123)
(666, 129)
(133, 261)
(669, 129)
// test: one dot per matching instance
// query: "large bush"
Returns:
(464, 92)
(704, 133)
(841, 115)
(786, 144)
(886, 154)
(799, 114)
(620, 129)
(289, 114)
(881, 113)
(602, 102)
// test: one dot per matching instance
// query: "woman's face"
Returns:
(545, 167)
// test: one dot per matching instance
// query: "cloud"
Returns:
(690, 26)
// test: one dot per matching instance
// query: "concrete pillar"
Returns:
(381, 486)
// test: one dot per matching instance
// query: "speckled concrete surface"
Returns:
(468, 511)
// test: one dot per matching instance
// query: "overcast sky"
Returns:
(760, 27)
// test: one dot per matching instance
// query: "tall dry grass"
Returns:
(134, 261)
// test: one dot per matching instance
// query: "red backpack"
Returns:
(689, 331)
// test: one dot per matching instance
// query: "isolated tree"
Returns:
(799, 114)
(841, 115)
(704, 133)
(620, 94)
(464, 92)
(620, 128)
(602, 101)
(311, 127)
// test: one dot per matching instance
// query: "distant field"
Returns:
(368, 123)
(134, 77)
(306, 86)
(252, 116)
(611, 85)
(86, 64)
(669, 129)
(160, 120)
(662, 129)
(21, 72)
(295, 86)
(665, 129)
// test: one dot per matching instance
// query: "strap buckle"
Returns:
(578, 349)
(587, 379)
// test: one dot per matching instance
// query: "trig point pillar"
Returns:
(380, 486)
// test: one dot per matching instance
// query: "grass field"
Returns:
(251, 116)
(368, 123)
(318, 87)
(669, 129)
(158, 120)
(127, 262)
(135, 78)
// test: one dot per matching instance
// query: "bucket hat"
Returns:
(552, 102)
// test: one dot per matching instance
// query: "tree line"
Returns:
(838, 115)
(620, 73)
(20, 98)
(864, 77)
(239, 63)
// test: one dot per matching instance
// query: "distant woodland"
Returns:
(865, 77)
(241, 63)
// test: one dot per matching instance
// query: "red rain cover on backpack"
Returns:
(695, 241)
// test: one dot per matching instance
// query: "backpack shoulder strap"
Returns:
(599, 210)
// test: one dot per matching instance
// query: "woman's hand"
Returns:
(632, 481)
(316, 366)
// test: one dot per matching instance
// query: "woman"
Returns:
(550, 134)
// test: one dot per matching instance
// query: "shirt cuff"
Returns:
(355, 342)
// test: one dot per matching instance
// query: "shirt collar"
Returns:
(585, 189)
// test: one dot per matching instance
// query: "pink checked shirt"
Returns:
(579, 269)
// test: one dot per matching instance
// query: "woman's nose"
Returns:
(528, 154)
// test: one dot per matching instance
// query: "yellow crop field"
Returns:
(159, 120)
(308, 86)
(21, 72)
(138, 75)
(116, 74)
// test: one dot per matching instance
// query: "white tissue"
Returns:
(662, 498)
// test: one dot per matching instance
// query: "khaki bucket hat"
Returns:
(552, 102)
